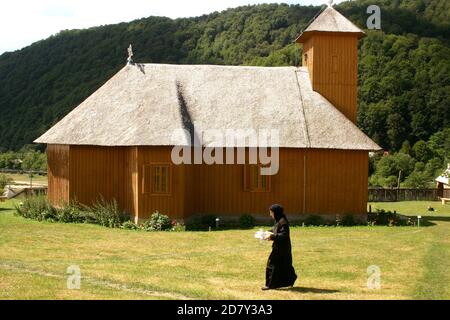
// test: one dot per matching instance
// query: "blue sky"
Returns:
(23, 22)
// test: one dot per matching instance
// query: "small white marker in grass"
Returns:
(217, 223)
(418, 220)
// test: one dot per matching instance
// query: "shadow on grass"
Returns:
(437, 218)
(427, 221)
(424, 222)
(310, 290)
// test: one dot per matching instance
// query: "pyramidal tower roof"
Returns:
(330, 20)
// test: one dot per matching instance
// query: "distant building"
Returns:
(443, 181)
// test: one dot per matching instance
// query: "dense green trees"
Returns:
(34, 161)
(26, 159)
(415, 167)
(404, 88)
(404, 77)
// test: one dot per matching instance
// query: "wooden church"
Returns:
(117, 144)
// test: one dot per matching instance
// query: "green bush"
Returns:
(71, 213)
(4, 181)
(103, 212)
(107, 214)
(386, 218)
(194, 224)
(37, 208)
(349, 220)
(246, 221)
(314, 220)
(157, 222)
(129, 225)
(201, 223)
(178, 227)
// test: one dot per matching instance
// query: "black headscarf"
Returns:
(278, 212)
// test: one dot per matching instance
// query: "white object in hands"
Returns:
(262, 235)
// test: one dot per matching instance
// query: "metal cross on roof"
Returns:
(130, 54)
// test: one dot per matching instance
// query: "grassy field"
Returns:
(118, 264)
(25, 178)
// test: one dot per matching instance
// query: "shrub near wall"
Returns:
(157, 222)
(72, 213)
(37, 208)
(314, 220)
(108, 214)
(349, 221)
(201, 223)
(386, 218)
(246, 221)
(103, 212)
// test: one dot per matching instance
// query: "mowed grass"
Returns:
(331, 262)
(26, 178)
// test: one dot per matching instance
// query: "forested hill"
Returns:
(404, 70)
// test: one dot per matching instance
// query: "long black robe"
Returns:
(280, 272)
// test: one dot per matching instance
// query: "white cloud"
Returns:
(23, 22)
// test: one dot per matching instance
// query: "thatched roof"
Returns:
(330, 20)
(142, 105)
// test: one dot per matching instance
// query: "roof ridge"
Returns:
(304, 124)
(351, 22)
(334, 18)
(322, 9)
(210, 65)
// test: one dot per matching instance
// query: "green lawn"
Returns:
(415, 208)
(118, 264)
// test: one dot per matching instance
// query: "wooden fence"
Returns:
(386, 195)
(20, 171)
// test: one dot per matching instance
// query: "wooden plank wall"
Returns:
(308, 49)
(190, 190)
(219, 189)
(172, 204)
(131, 182)
(340, 87)
(336, 181)
(97, 172)
(58, 174)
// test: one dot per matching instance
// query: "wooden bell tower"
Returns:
(330, 52)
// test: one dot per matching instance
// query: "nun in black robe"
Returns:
(280, 272)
